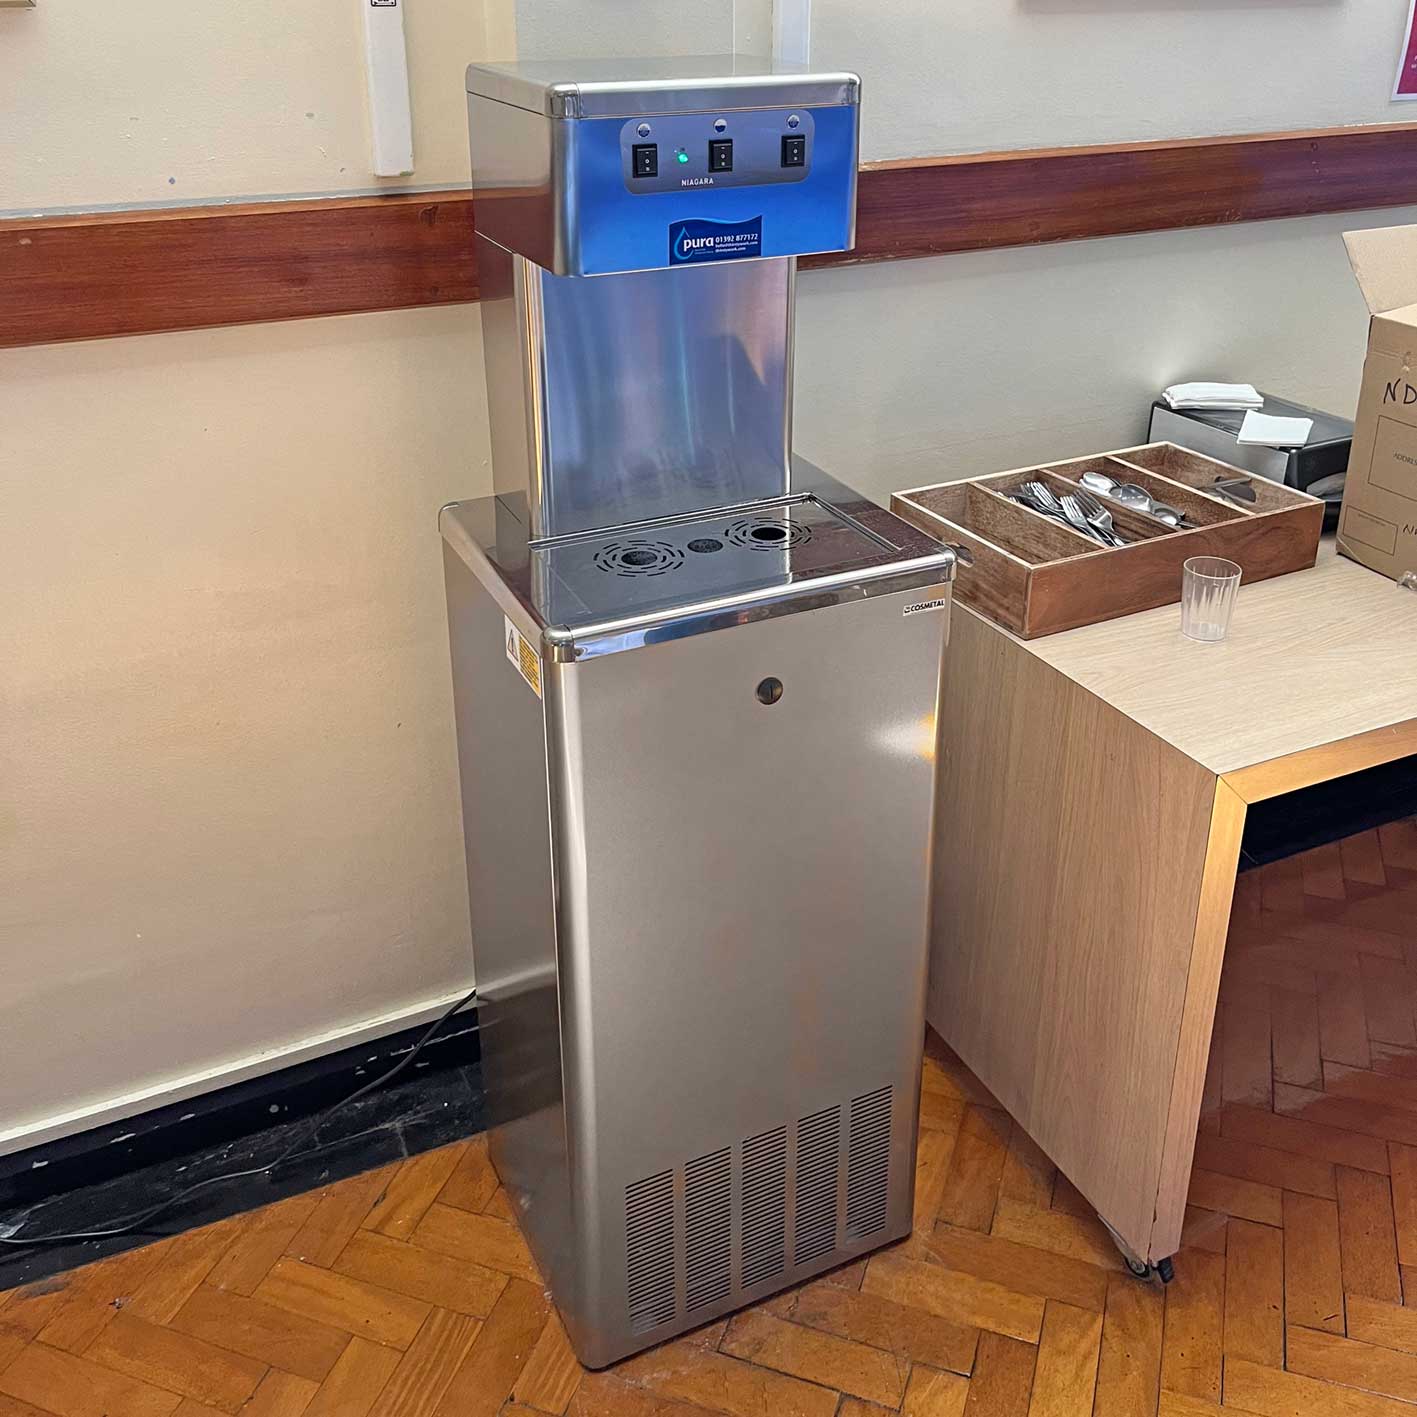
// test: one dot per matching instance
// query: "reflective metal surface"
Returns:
(696, 687)
(636, 396)
(695, 558)
(737, 953)
(741, 904)
(600, 88)
(562, 190)
(503, 776)
(567, 593)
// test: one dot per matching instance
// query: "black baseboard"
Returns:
(102, 1177)
(226, 1115)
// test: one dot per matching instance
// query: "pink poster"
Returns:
(1406, 85)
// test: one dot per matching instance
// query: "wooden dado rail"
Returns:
(84, 277)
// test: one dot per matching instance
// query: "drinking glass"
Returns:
(1208, 588)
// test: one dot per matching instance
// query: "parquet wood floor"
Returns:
(408, 1291)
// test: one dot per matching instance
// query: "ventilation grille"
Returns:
(717, 1227)
(818, 1168)
(868, 1164)
(649, 1247)
(764, 1206)
(708, 1229)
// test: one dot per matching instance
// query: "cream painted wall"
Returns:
(574, 29)
(976, 75)
(229, 833)
(229, 828)
(918, 371)
(148, 101)
(189, 102)
(584, 29)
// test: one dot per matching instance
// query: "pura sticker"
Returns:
(698, 240)
(522, 655)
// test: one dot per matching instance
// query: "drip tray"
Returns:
(631, 570)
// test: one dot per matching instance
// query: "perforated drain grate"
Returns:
(638, 557)
(766, 533)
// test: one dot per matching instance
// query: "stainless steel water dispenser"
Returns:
(696, 684)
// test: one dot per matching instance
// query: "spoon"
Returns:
(1133, 495)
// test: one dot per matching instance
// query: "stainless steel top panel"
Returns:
(621, 587)
(629, 88)
(652, 394)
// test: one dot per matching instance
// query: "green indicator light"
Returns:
(683, 157)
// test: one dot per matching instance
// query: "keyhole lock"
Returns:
(769, 691)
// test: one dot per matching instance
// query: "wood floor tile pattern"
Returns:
(409, 1291)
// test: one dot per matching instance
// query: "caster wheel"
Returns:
(1162, 1270)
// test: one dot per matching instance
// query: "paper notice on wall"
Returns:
(522, 655)
(1406, 85)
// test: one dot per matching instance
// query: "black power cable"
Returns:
(310, 1134)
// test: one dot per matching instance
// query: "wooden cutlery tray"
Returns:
(1036, 576)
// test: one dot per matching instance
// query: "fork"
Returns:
(1037, 498)
(1078, 520)
(1042, 494)
(1039, 510)
(1098, 516)
(1045, 500)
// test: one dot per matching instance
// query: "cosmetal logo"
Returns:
(917, 606)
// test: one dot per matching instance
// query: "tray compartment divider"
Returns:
(1200, 506)
(1180, 494)
(1198, 472)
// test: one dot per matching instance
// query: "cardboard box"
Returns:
(1378, 525)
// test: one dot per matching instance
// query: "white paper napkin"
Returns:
(1205, 395)
(1268, 431)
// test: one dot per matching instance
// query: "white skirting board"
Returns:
(130, 1104)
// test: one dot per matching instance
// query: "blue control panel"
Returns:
(682, 152)
(776, 187)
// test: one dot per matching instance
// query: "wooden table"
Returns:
(1093, 788)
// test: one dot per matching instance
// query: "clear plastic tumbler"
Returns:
(1208, 588)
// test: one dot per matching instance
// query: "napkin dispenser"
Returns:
(1214, 432)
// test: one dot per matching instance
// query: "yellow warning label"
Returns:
(523, 656)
